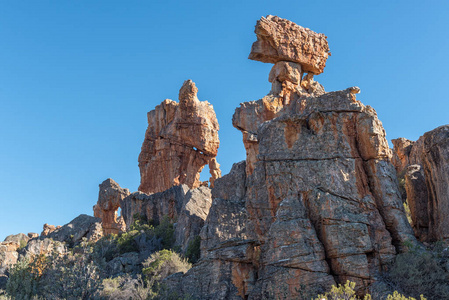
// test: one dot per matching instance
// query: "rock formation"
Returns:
(401, 153)
(47, 229)
(282, 40)
(180, 140)
(52, 240)
(8, 250)
(317, 201)
(109, 198)
(426, 165)
(188, 208)
(83, 226)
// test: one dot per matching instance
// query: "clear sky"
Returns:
(78, 77)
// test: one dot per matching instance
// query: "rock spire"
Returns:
(180, 140)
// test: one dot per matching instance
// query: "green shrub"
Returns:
(397, 296)
(419, 272)
(23, 281)
(70, 276)
(164, 263)
(125, 287)
(193, 251)
(342, 292)
(126, 242)
(166, 232)
(347, 292)
(22, 244)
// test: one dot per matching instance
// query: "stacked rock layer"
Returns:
(316, 202)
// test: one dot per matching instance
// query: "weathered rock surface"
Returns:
(417, 199)
(282, 40)
(109, 198)
(427, 183)
(401, 153)
(180, 140)
(318, 200)
(83, 226)
(8, 250)
(188, 208)
(42, 246)
(8, 255)
(17, 238)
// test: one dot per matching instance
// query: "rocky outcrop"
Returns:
(282, 40)
(20, 238)
(8, 250)
(109, 198)
(8, 255)
(180, 140)
(42, 246)
(187, 208)
(318, 200)
(427, 183)
(49, 229)
(83, 226)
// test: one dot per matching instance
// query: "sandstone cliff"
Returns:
(317, 200)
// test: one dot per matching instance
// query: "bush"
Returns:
(69, 277)
(22, 281)
(166, 233)
(419, 272)
(125, 287)
(346, 292)
(193, 251)
(342, 292)
(164, 263)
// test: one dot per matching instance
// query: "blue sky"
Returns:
(78, 77)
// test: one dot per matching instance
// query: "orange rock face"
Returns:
(107, 206)
(401, 153)
(316, 202)
(282, 40)
(180, 140)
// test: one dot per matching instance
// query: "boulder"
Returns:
(20, 238)
(282, 40)
(33, 235)
(180, 140)
(49, 229)
(109, 198)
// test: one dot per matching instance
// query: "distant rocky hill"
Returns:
(316, 202)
